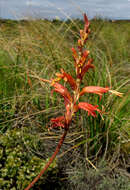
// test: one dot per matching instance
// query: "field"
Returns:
(95, 154)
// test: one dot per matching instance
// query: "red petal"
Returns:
(58, 119)
(87, 67)
(68, 116)
(75, 108)
(81, 33)
(75, 55)
(86, 23)
(80, 44)
(94, 89)
(58, 122)
(89, 108)
(84, 57)
(63, 91)
(70, 79)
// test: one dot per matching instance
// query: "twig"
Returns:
(92, 164)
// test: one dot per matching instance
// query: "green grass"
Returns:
(42, 48)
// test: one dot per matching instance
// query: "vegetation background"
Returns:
(96, 152)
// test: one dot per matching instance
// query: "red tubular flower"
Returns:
(89, 108)
(94, 89)
(81, 33)
(84, 57)
(68, 116)
(67, 77)
(75, 55)
(80, 44)
(87, 67)
(58, 122)
(86, 23)
(81, 63)
(63, 91)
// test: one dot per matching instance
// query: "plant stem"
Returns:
(49, 162)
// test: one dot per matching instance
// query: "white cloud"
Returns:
(33, 3)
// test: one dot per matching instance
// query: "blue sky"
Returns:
(113, 9)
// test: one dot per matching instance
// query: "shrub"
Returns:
(18, 165)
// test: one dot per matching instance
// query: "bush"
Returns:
(19, 166)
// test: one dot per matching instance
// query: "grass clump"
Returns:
(99, 179)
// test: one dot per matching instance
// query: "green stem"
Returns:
(49, 162)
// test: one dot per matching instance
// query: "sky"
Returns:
(64, 9)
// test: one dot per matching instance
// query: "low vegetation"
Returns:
(96, 149)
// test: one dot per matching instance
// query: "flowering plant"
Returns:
(82, 64)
